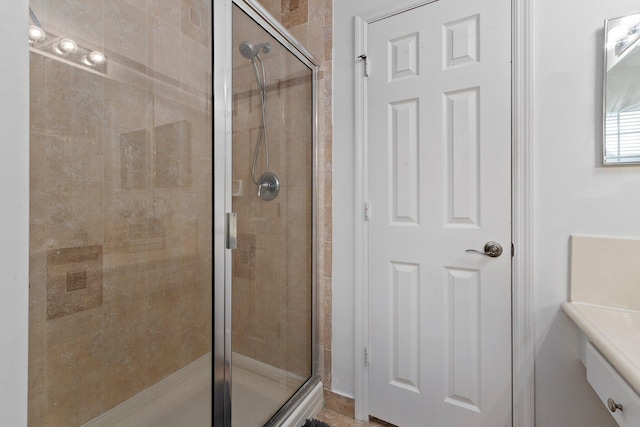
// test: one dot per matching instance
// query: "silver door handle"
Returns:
(232, 230)
(491, 249)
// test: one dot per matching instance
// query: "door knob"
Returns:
(491, 249)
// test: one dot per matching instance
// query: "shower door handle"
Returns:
(232, 230)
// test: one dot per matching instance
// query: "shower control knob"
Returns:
(268, 186)
(264, 185)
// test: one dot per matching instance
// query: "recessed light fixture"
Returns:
(93, 58)
(62, 46)
(36, 34)
(65, 47)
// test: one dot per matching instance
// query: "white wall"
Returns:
(572, 192)
(14, 213)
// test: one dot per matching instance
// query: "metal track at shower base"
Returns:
(284, 416)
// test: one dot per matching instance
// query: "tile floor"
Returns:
(335, 419)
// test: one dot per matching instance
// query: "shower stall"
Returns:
(140, 249)
(265, 333)
(120, 213)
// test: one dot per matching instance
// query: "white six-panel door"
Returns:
(439, 183)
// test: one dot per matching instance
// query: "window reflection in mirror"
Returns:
(622, 90)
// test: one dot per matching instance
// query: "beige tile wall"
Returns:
(316, 33)
(120, 242)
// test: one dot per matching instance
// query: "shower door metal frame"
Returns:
(223, 99)
(222, 104)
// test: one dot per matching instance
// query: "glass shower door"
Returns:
(272, 278)
(121, 210)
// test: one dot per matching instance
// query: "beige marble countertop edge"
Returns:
(627, 365)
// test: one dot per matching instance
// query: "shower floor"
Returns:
(258, 391)
(194, 412)
(181, 399)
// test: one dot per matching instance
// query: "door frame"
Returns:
(522, 338)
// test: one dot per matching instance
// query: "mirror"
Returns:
(622, 90)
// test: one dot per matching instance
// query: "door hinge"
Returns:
(366, 64)
(366, 356)
(366, 211)
(513, 250)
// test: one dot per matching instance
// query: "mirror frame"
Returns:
(636, 39)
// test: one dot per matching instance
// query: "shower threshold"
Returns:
(259, 389)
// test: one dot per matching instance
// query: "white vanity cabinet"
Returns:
(613, 390)
(605, 305)
(610, 350)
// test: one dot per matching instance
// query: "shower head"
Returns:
(250, 51)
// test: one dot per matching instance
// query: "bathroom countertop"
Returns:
(615, 332)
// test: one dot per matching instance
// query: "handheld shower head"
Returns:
(246, 50)
(250, 51)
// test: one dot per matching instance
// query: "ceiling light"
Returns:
(94, 58)
(36, 34)
(66, 46)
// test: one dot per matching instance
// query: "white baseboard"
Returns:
(146, 407)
